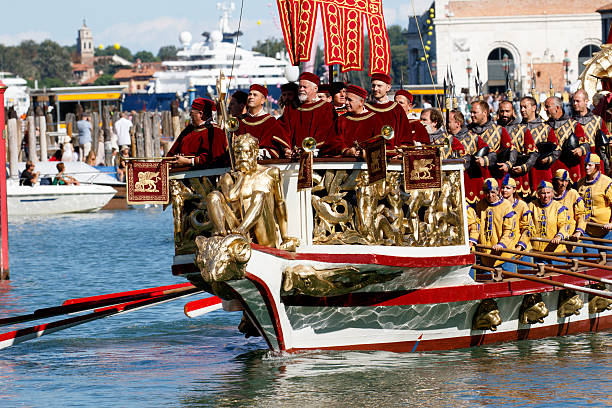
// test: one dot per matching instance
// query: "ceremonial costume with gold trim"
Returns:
(548, 222)
(357, 127)
(499, 142)
(440, 137)
(312, 119)
(406, 131)
(496, 223)
(206, 142)
(564, 128)
(596, 131)
(597, 196)
(575, 208)
(473, 226)
(267, 131)
(527, 153)
(522, 224)
(474, 174)
(541, 132)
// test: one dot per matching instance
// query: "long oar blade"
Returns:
(202, 306)
(147, 291)
(28, 333)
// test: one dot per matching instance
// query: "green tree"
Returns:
(167, 52)
(104, 79)
(270, 46)
(145, 56)
(53, 61)
(123, 52)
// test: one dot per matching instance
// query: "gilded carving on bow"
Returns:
(569, 303)
(533, 309)
(349, 210)
(486, 316)
(222, 258)
(598, 304)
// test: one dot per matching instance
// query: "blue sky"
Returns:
(150, 25)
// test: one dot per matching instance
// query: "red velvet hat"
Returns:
(325, 88)
(203, 104)
(259, 88)
(309, 76)
(357, 90)
(405, 93)
(382, 77)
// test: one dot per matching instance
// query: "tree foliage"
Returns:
(145, 56)
(104, 79)
(47, 62)
(122, 52)
(270, 47)
(167, 52)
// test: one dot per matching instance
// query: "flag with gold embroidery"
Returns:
(147, 182)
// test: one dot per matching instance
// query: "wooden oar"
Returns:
(597, 292)
(574, 243)
(28, 333)
(595, 224)
(558, 259)
(92, 302)
(202, 306)
(601, 240)
(571, 254)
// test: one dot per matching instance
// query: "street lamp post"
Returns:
(566, 64)
(468, 69)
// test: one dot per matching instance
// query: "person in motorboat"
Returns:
(28, 176)
(62, 179)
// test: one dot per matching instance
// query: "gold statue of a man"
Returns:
(250, 199)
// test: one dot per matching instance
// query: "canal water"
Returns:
(159, 357)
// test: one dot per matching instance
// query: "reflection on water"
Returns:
(158, 357)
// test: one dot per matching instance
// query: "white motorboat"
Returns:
(198, 64)
(16, 94)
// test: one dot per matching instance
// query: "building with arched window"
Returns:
(509, 42)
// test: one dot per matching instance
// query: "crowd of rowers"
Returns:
(524, 178)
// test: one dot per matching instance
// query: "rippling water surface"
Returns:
(159, 357)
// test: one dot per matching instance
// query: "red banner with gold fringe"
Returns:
(147, 182)
(422, 169)
(342, 31)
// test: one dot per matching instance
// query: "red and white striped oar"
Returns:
(202, 306)
(92, 302)
(28, 333)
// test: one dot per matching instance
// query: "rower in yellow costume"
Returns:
(496, 219)
(572, 201)
(522, 225)
(596, 191)
(550, 220)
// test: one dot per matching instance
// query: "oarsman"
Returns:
(473, 226)
(324, 93)
(594, 127)
(313, 118)
(545, 141)
(495, 137)
(201, 138)
(237, 104)
(405, 99)
(596, 191)
(357, 125)
(473, 176)
(550, 220)
(522, 142)
(570, 137)
(261, 125)
(496, 219)
(522, 220)
(392, 114)
(572, 201)
(338, 93)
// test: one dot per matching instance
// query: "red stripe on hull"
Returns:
(533, 333)
(266, 295)
(376, 259)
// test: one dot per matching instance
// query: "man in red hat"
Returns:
(201, 138)
(405, 99)
(313, 118)
(262, 125)
(358, 124)
(392, 114)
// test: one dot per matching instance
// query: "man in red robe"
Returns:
(262, 125)
(357, 125)
(313, 118)
(406, 100)
(338, 93)
(201, 138)
(392, 114)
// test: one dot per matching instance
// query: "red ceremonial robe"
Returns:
(268, 131)
(406, 131)
(207, 143)
(312, 119)
(353, 127)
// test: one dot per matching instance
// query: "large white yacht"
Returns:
(199, 64)
(16, 94)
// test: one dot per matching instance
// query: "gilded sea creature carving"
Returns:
(533, 309)
(348, 210)
(487, 316)
(569, 304)
(306, 280)
(222, 258)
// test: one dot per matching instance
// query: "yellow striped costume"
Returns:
(522, 224)
(575, 208)
(473, 226)
(496, 222)
(597, 196)
(548, 222)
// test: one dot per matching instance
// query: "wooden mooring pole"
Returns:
(4, 259)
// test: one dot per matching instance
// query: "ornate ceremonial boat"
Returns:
(376, 268)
